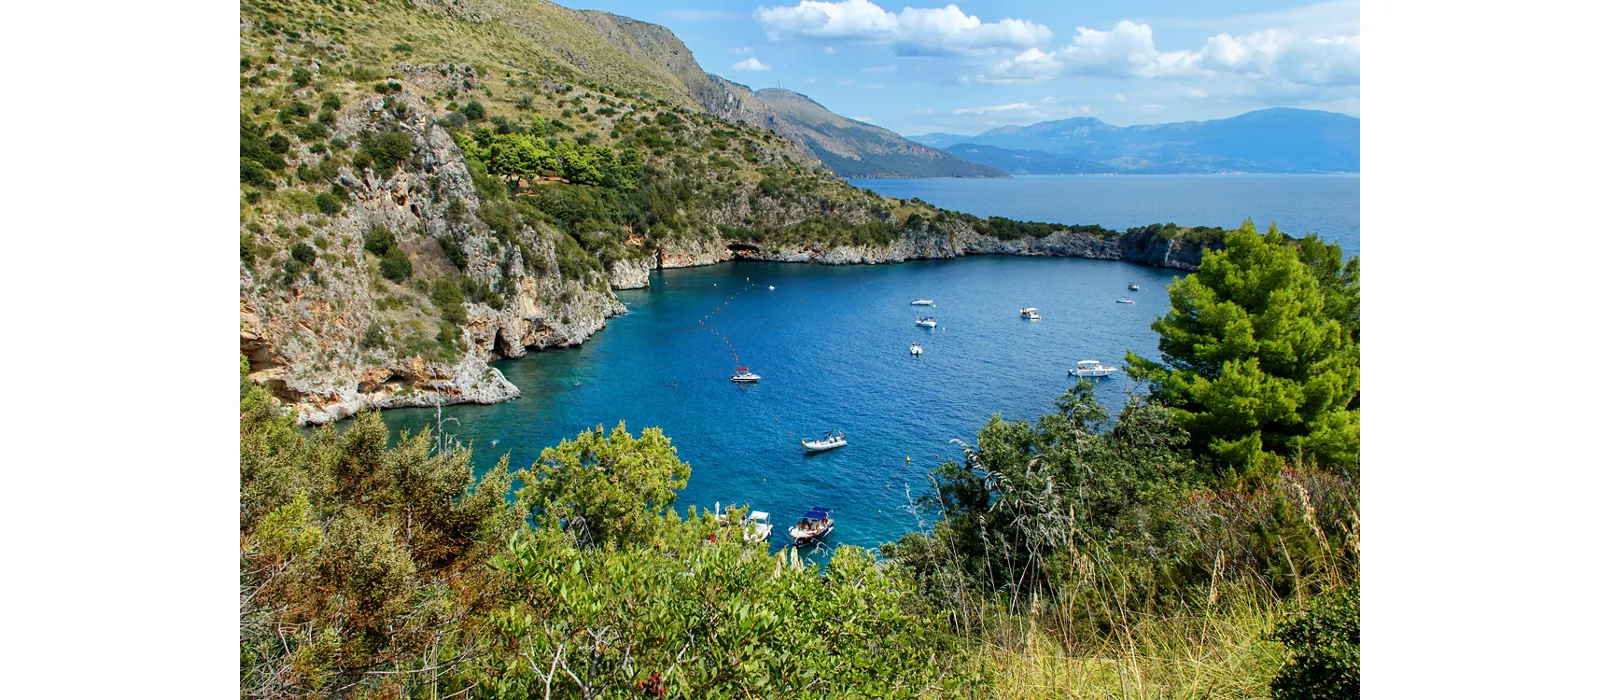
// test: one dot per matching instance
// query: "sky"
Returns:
(968, 67)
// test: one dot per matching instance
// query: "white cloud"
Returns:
(829, 50)
(810, 81)
(872, 86)
(1128, 50)
(863, 119)
(751, 64)
(911, 32)
(740, 51)
(847, 81)
(880, 69)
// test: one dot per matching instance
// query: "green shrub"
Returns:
(1324, 649)
(386, 150)
(331, 101)
(379, 240)
(373, 337)
(448, 298)
(395, 265)
(303, 253)
(473, 111)
(328, 204)
(300, 76)
(252, 173)
(278, 143)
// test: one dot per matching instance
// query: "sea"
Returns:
(832, 347)
(1327, 205)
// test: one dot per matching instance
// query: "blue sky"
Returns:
(970, 66)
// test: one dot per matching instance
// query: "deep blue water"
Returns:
(1329, 205)
(832, 347)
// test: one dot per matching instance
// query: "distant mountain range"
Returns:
(856, 149)
(1278, 140)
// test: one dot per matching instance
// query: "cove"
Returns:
(831, 344)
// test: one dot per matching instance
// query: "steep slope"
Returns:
(855, 149)
(1028, 162)
(847, 147)
(427, 187)
(1278, 140)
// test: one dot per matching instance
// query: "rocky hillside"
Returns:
(855, 149)
(427, 187)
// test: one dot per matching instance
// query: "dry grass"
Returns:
(1218, 653)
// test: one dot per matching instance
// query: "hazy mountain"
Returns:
(1278, 140)
(1027, 162)
(852, 148)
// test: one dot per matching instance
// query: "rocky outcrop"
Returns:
(630, 273)
(333, 337)
(692, 253)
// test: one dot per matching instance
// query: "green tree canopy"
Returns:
(1261, 354)
(607, 488)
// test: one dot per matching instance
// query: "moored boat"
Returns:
(1093, 368)
(1030, 313)
(743, 374)
(1124, 300)
(926, 321)
(831, 441)
(916, 350)
(816, 524)
(922, 302)
(757, 524)
(1133, 287)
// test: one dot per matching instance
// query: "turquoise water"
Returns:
(1329, 205)
(832, 347)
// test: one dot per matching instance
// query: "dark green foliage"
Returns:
(331, 101)
(373, 337)
(311, 131)
(296, 110)
(1262, 355)
(395, 265)
(379, 240)
(252, 173)
(328, 204)
(1324, 647)
(303, 253)
(247, 250)
(446, 295)
(473, 111)
(300, 77)
(386, 150)
(277, 143)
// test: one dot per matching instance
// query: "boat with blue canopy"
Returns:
(815, 525)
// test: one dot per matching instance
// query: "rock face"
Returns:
(630, 273)
(338, 337)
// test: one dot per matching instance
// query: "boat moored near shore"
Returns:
(926, 321)
(815, 525)
(831, 441)
(1092, 368)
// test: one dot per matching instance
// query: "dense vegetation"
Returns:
(1072, 556)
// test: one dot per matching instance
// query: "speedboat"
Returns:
(757, 526)
(1133, 287)
(770, 287)
(922, 302)
(833, 440)
(816, 524)
(1030, 313)
(1124, 300)
(743, 374)
(1093, 368)
(927, 322)
(916, 350)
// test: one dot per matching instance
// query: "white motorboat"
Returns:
(1093, 368)
(757, 526)
(743, 374)
(926, 322)
(832, 441)
(1124, 300)
(1133, 287)
(922, 302)
(1030, 313)
(816, 524)
(770, 287)
(916, 350)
